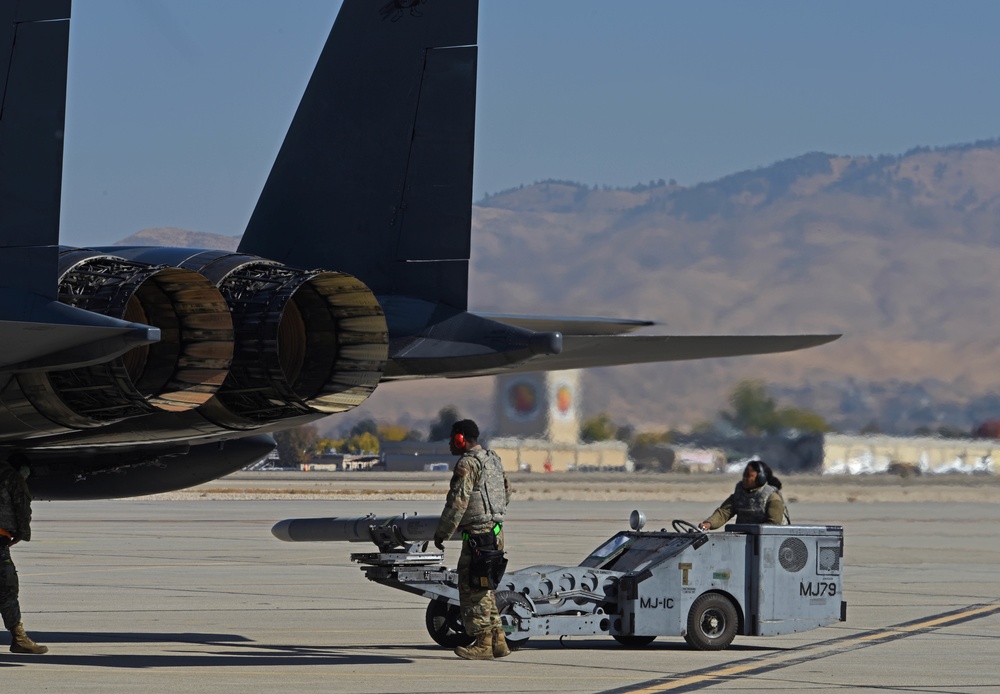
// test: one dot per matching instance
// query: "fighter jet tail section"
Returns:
(38, 332)
(34, 47)
(375, 174)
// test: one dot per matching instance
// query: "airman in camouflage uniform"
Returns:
(476, 504)
(15, 525)
(755, 500)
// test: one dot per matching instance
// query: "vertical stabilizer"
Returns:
(34, 49)
(375, 174)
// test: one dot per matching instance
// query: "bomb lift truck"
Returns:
(749, 580)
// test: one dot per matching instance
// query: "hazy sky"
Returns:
(177, 107)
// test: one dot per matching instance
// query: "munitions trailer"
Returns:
(749, 580)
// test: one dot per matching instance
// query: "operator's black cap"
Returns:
(467, 428)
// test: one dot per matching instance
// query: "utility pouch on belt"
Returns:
(488, 563)
(487, 568)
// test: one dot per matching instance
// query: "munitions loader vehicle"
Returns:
(747, 580)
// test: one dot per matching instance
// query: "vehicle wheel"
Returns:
(506, 599)
(632, 641)
(712, 623)
(444, 624)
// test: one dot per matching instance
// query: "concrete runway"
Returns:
(196, 596)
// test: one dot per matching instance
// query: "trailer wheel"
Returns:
(712, 623)
(633, 641)
(506, 599)
(444, 624)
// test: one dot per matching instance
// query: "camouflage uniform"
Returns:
(763, 505)
(15, 518)
(476, 504)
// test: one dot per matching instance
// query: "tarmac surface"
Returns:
(197, 596)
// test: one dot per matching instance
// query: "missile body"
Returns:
(403, 529)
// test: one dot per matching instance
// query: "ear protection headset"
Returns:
(761, 475)
(458, 439)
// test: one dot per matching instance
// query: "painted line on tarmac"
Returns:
(700, 679)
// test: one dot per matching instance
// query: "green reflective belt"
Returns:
(497, 527)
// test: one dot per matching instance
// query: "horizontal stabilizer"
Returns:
(38, 333)
(589, 351)
(586, 351)
(571, 325)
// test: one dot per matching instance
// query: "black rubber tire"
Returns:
(712, 623)
(633, 641)
(444, 624)
(506, 599)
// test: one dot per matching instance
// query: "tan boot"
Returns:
(21, 643)
(482, 649)
(500, 648)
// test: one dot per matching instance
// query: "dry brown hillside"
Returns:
(900, 254)
(180, 238)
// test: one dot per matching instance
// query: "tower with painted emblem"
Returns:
(539, 406)
(538, 426)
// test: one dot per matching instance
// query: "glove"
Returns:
(439, 543)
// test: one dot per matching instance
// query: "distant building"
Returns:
(699, 459)
(417, 456)
(788, 452)
(269, 462)
(853, 455)
(340, 462)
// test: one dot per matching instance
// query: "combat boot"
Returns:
(482, 649)
(22, 643)
(500, 648)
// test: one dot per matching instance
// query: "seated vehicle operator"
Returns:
(756, 499)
